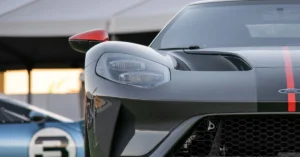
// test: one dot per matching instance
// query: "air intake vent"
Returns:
(240, 64)
(242, 136)
(211, 62)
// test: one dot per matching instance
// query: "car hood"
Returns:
(259, 57)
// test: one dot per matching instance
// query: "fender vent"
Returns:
(242, 136)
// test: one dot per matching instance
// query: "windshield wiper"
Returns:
(192, 47)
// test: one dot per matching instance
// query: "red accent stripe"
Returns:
(289, 79)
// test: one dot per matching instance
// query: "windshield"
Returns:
(7, 116)
(234, 24)
(14, 111)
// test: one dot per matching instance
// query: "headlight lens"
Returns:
(132, 70)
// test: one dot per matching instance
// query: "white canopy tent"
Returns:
(47, 18)
(10, 5)
(54, 18)
(150, 16)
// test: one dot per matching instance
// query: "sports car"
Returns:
(26, 130)
(222, 78)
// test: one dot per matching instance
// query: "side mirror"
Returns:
(82, 42)
(37, 117)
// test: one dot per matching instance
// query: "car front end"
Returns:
(221, 79)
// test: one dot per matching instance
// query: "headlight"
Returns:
(132, 70)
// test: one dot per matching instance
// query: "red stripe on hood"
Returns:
(289, 79)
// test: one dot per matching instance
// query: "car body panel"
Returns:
(262, 80)
(255, 90)
(15, 138)
(31, 139)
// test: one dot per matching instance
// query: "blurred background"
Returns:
(37, 65)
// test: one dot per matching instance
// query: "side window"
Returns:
(10, 113)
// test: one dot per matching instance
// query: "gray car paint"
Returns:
(170, 108)
(204, 92)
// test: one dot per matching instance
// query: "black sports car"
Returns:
(221, 79)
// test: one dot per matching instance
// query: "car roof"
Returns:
(34, 108)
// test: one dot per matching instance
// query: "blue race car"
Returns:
(26, 130)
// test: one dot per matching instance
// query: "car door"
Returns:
(21, 137)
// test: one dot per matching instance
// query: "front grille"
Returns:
(245, 135)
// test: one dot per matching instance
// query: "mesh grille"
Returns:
(251, 135)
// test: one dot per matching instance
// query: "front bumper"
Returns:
(248, 134)
(124, 127)
(236, 134)
(133, 138)
(132, 121)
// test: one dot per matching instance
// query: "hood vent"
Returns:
(239, 63)
(211, 62)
